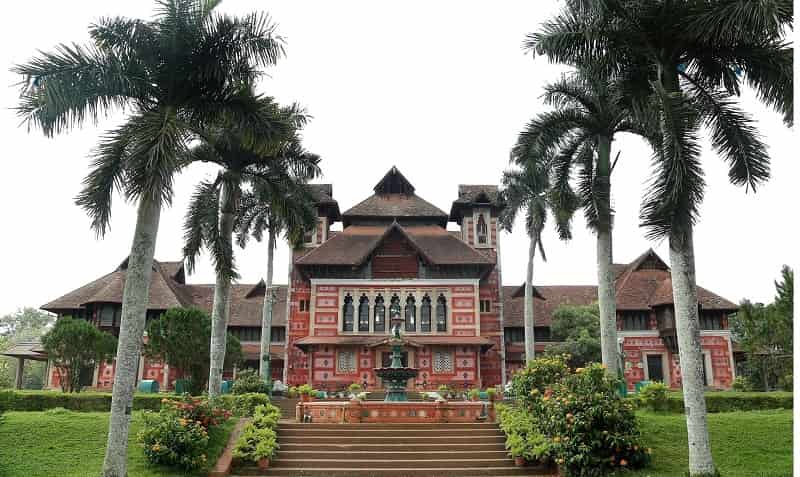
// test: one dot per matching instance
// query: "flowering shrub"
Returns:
(592, 429)
(522, 437)
(654, 397)
(256, 443)
(248, 381)
(172, 440)
(196, 409)
(246, 404)
(530, 382)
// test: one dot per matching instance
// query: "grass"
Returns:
(72, 444)
(744, 444)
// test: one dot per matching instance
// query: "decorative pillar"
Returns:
(20, 372)
(141, 370)
(353, 413)
(165, 378)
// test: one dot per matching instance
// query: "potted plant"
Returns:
(306, 392)
(474, 394)
(362, 396)
(355, 388)
(492, 392)
(517, 449)
(444, 391)
(291, 393)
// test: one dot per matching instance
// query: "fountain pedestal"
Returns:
(396, 376)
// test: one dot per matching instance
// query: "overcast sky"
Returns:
(439, 89)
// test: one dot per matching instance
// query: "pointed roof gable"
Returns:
(470, 195)
(394, 199)
(354, 245)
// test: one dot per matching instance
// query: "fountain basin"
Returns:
(396, 379)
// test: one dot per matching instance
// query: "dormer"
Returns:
(476, 211)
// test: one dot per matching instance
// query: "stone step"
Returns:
(503, 471)
(391, 463)
(411, 433)
(360, 426)
(358, 438)
(392, 447)
(392, 455)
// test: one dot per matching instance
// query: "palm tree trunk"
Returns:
(684, 291)
(135, 298)
(606, 293)
(222, 294)
(530, 336)
(266, 315)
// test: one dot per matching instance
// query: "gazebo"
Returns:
(30, 349)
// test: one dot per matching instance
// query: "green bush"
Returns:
(291, 393)
(246, 404)
(730, 401)
(305, 390)
(741, 383)
(522, 437)
(195, 409)
(248, 381)
(256, 443)
(592, 429)
(654, 396)
(13, 400)
(354, 388)
(530, 382)
(170, 440)
(786, 382)
(266, 416)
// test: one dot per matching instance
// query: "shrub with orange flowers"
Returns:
(197, 409)
(592, 429)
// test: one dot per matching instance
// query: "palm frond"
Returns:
(722, 22)
(201, 225)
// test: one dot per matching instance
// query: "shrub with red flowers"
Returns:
(592, 429)
(196, 409)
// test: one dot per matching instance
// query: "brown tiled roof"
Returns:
(322, 193)
(394, 206)
(554, 296)
(638, 287)
(372, 340)
(30, 349)
(520, 292)
(164, 291)
(246, 304)
(252, 351)
(355, 243)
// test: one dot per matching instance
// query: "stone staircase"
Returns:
(392, 450)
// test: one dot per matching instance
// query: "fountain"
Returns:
(396, 376)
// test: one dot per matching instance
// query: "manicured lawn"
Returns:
(72, 444)
(753, 443)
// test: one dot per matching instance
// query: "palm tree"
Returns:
(283, 206)
(590, 109)
(213, 210)
(697, 56)
(528, 188)
(173, 74)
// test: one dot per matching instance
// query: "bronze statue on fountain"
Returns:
(396, 376)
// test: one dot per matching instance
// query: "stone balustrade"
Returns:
(355, 411)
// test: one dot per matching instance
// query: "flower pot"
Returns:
(305, 398)
(476, 398)
(263, 464)
(519, 461)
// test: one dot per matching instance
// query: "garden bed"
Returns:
(729, 401)
(13, 400)
(36, 443)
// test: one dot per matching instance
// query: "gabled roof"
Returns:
(165, 291)
(545, 303)
(29, 349)
(247, 303)
(394, 199)
(354, 245)
(323, 198)
(475, 194)
(520, 292)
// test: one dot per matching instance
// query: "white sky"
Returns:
(439, 89)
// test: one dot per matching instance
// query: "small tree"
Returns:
(182, 338)
(74, 345)
(578, 330)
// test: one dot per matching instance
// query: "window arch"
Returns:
(347, 313)
(380, 314)
(425, 314)
(363, 313)
(411, 314)
(441, 313)
(394, 307)
(481, 230)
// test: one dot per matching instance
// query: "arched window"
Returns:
(394, 307)
(441, 313)
(347, 313)
(482, 230)
(411, 314)
(363, 313)
(380, 314)
(425, 314)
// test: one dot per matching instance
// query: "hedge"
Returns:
(728, 401)
(12, 400)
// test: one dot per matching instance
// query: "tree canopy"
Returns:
(75, 345)
(577, 328)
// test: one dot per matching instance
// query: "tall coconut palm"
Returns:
(699, 53)
(528, 188)
(277, 207)
(171, 75)
(591, 108)
(276, 151)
